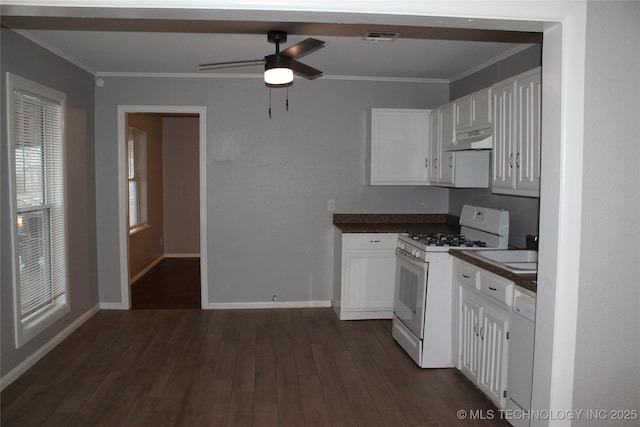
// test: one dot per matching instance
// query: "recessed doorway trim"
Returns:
(123, 232)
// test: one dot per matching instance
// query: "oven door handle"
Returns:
(411, 260)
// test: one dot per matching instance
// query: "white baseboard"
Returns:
(182, 255)
(146, 269)
(365, 314)
(15, 373)
(267, 304)
(111, 306)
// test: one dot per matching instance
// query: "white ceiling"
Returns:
(117, 45)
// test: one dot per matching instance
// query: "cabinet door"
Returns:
(447, 168)
(468, 335)
(503, 170)
(447, 134)
(492, 375)
(528, 136)
(434, 145)
(448, 125)
(399, 144)
(463, 113)
(473, 111)
(481, 108)
(368, 280)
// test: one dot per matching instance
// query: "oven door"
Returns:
(410, 291)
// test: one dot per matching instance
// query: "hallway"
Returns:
(172, 284)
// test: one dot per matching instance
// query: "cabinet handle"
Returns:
(492, 289)
(511, 160)
(518, 160)
(374, 241)
(475, 329)
(451, 162)
(426, 162)
(466, 276)
(482, 333)
(435, 163)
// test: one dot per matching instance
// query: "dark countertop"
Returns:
(524, 282)
(396, 223)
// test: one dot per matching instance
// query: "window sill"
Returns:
(138, 228)
(39, 321)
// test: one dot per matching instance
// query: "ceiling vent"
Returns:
(380, 36)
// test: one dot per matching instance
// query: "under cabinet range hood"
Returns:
(477, 139)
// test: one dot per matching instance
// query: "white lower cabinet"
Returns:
(483, 325)
(468, 336)
(364, 275)
(492, 376)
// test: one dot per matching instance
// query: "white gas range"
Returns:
(423, 316)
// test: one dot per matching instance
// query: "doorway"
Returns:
(162, 206)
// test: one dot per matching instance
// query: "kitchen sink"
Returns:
(517, 261)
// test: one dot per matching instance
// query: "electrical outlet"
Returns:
(331, 205)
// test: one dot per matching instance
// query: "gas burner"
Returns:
(442, 239)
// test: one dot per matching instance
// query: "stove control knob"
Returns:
(401, 246)
(413, 252)
(417, 254)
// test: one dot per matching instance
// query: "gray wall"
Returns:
(607, 354)
(268, 180)
(523, 211)
(181, 185)
(502, 70)
(24, 58)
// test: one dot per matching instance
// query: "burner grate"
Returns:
(442, 239)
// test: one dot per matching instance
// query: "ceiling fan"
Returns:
(280, 66)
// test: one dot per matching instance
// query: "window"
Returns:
(137, 176)
(38, 206)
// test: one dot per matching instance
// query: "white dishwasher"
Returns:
(520, 378)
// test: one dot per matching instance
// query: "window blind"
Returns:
(137, 176)
(40, 222)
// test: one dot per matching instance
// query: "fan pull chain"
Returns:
(269, 102)
(287, 98)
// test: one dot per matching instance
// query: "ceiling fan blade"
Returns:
(303, 48)
(231, 64)
(304, 70)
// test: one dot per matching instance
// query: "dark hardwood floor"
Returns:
(281, 367)
(172, 283)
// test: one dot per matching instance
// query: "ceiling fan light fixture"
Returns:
(278, 76)
(278, 71)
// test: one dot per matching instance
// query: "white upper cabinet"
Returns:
(399, 147)
(468, 169)
(503, 179)
(418, 147)
(448, 138)
(433, 160)
(516, 135)
(448, 125)
(529, 95)
(474, 111)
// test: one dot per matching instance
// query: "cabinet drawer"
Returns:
(369, 241)
(465, 274)
(496, 288)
